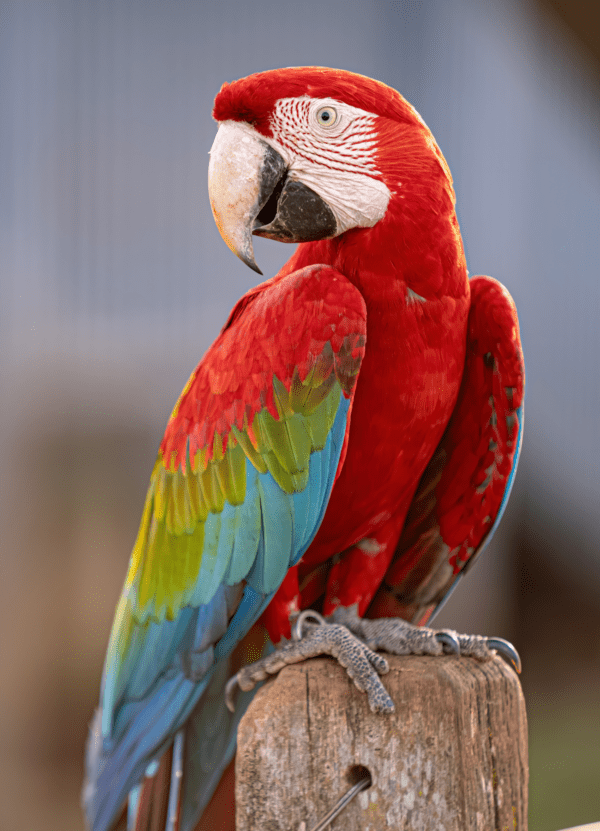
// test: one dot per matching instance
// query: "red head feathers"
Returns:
(252, 99)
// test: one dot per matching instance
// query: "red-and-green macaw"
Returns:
(347, 444)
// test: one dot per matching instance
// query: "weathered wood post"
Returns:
(453, 757)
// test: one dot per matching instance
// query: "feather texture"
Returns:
(464, 490)
(301, 466)
(233, 502)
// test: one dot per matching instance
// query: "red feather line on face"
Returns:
(352, 150)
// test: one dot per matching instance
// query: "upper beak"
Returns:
(243, 172)
(251, 193)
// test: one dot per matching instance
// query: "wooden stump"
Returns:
(453, 757)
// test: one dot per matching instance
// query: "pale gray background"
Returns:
(115, 280)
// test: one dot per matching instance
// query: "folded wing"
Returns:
(239, 489)
(463, 491)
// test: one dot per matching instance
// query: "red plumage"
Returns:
(434, 419)
(234, 379)
(410, 269)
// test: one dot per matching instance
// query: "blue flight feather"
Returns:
(173, 662)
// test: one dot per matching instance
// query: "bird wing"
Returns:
(239, 488)
(464, 489)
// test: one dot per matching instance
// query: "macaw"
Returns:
(346, 445)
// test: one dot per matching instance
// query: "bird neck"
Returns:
(416, 247)
(412, 251)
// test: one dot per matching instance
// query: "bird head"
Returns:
(305, 154)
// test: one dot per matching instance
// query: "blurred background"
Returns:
(114, 280)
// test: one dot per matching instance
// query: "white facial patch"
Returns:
(330, 147)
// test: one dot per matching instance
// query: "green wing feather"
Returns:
(169, 548)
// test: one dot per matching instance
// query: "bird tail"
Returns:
(209, 746)
(174, 790)
(112, 767)
(153, 804)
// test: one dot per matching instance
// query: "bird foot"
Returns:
(310, 639)
(399, 637)
(352, 641)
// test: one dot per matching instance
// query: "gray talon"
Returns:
(307, 614)
(449, 639)
(352, 641)
(229, 692)
(506, 649)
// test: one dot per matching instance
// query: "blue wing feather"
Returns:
(218, 533)
(270, 566)
(172, 662)
(247, 540)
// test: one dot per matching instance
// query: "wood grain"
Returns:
(452, 757)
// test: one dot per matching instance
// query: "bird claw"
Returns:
(448, 639)
(353, 641)
(399, 637)
(307, 614)
(363, 665)
(507, 650)
(230, 687)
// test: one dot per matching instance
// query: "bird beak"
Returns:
(251, 193)
(243, 172)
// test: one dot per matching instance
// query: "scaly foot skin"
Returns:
(402, 638)
(352, 641)
(311, 639)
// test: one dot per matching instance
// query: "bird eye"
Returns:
(327, 116)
